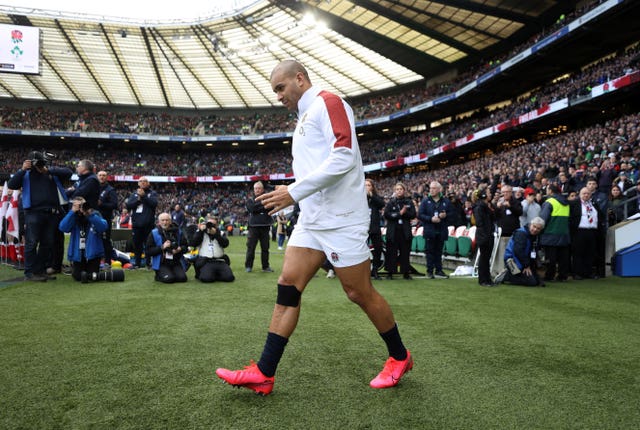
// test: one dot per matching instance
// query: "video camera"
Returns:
(115, 275)
(41, 159)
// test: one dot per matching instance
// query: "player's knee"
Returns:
(288, 295)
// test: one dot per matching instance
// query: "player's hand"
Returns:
(276, 200)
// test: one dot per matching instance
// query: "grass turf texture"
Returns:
(142, 355)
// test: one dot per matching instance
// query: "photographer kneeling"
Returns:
(85, 244)
(211, 265)
(166, 246)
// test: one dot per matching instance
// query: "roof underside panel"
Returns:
(139, 66)
(351, 47)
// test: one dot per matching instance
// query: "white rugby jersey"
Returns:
(327, 165)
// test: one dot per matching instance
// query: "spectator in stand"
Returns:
(212, 265)
(633, 206)
(468, 211)
(434, 212)
(107, 203)
(166, 246)
(42, 199)
(600, 201)
(530, 207)
(556, 238)
(507, 213)
(281, 229)
(178, 217)
(565, 184)
(607, 173)
(623, 182)
(259, 229)
(615, 211)
(484, 216)
(142, 205)
(399, 212)
(125, 219)
(584, 232)
(376, 203)
(458, 216)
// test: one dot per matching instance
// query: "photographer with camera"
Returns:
(212, 264)
(42, 199)
(142, 206)
(85, 243)
(520, 256)
(399, 212)
(166, 246)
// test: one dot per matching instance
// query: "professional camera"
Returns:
(171, 235)
(41, 159)
(84, 205)
(115, 275)
(211, 225)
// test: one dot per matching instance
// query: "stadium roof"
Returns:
(224, 59)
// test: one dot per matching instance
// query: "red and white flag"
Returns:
(13, 225)
(5, 201)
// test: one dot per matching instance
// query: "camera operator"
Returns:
(85, 244)
(42, 197)
(211, 265)
(166, 246)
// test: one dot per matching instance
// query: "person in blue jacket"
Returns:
(520, 256)
(85, 244)
(43, 196)
(166, 246)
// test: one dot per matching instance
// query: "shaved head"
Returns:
(289, 68)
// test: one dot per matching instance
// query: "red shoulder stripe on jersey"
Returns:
(338, 118)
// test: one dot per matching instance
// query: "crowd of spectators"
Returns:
(610, 152)
(206, 163)
(579, 153)
(225, 123)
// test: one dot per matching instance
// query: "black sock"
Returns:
(394, 343)
(271, 354)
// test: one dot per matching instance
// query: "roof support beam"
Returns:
(157, 39)
(84, 62)
(222, 68)
(122, 68)
(152, 57)
(394, 16)
(488, 10)
(186, 65)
